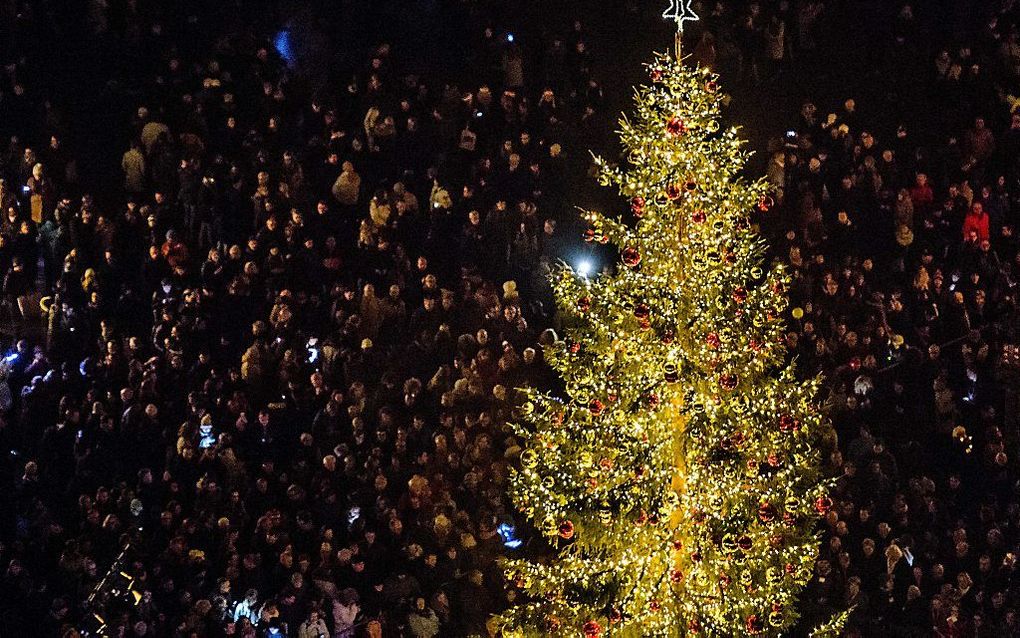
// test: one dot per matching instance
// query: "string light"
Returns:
(678, 479)
(680, 11)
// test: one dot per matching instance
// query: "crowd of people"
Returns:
(260, 389)
(902, 237)
(267, 392)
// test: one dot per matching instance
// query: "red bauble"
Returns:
(765, 203)
(724, 580)
(596, 407)
(566, 530)
(575, 347)
(855, 364)
(766, 513)
(787, 423)
(696, 557)
(584, 304)
(676, 127)
(592, 629)
(754, 624)
(654, 605)
(790, 569)
(711, 86)
(694, 626)
(676, 576)
(637, 206)
(615, 616)
(668, 336)
(823, 504)
(728, 381)
(744, 543)
(699, 217)
(589, 235)
(713, 340)
(673, 192)
(657, 75)
(642, 311)
(653, 400)
(740, 294)
(631, 257)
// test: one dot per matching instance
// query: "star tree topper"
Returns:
(680, 11)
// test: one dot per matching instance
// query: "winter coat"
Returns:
(133, 164)
(977, 224)
(347, 188)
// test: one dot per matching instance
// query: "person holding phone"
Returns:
(314, 626)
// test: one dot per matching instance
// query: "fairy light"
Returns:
(680, 11)
(679, 477)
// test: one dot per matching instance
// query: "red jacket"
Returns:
(976, 223)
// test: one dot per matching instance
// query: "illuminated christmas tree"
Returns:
(679, 478)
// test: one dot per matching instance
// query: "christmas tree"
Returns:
(679, 480)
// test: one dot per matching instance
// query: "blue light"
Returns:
(506, 532)
(283, 46)
(584, 267)
(11, 358)
(509, 37)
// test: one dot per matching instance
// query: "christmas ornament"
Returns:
(671, 373)
(566, 530)
(637, 206)
(631, 257)
(680, 11)
(676, 127)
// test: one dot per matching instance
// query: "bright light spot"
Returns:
(283, 46)
(584, 267)
(506, 532)
(509, 37)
